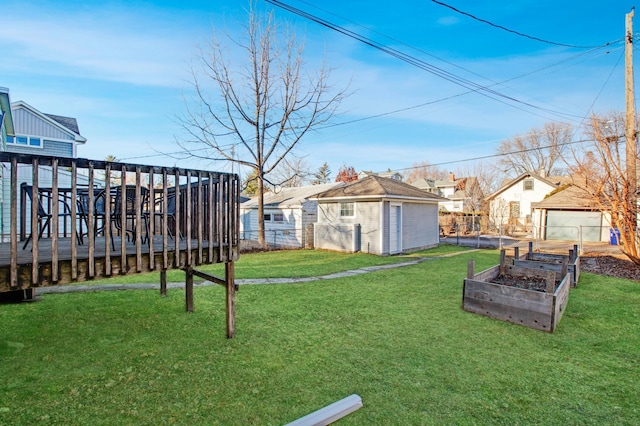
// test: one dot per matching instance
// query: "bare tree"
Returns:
(255, 113)
(542, 150)
(600, 171)
(291, 173)
(423, 170)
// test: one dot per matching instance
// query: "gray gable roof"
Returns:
(289, 197)
(68, 122)
(378, 187)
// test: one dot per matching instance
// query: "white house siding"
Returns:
(420, 226)
(368, 216)
(499, 208)
(288, 233)
(333, 232)
(338, 237)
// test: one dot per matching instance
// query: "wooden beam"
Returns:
(209, 277)
(188, 288)
(551, 282)
(163, 281)
(231, 299)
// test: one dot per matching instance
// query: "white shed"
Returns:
(377, 215)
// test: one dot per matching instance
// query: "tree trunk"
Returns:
(261, 239)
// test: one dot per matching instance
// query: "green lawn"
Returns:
(277, 264)
(398, 338)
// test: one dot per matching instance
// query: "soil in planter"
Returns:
(528, 283)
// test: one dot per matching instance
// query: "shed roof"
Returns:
(378, 187)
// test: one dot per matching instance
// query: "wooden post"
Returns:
(565, 267)
(471, 266)
(188, 288)
(575, 252)
(503, 259)
(630, 127)
(530, 246)
(163, 282)
(231, 299)
(516, 252)
(551, 282)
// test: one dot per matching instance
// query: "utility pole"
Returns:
(630, 131)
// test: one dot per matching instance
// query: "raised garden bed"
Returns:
(531, 297)
(559, 263)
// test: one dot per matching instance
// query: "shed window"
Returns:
(267, 217)
(528, 184)
(347, 210)
(278, 217)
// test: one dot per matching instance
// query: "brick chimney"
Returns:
(452, 177)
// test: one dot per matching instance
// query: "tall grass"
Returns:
(398, 338)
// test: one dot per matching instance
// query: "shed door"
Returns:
(395, 229)
(566, 225)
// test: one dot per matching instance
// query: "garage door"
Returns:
(566, 225)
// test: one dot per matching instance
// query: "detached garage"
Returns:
(569, 215)
(377, 215)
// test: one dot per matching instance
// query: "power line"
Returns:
(455, 79)
(446, 98)
(512, 31)
(503, 154)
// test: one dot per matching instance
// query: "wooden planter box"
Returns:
(531, 308)
(558, 263)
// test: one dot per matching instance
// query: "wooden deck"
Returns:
(69, 220)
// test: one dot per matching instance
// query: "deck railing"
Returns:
(70, 219)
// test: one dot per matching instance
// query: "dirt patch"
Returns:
(524, 282)
(612, 265)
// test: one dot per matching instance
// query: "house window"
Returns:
(25, 141)
(267, 217)
(278, 217)
(347, 210)
(528, 184)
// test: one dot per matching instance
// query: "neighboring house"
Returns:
(388, 174)
(41, 134)
(511, 204)
(6, 130)
(287, 213)
(461, 193)
(570, 214)
(6, 118)
(377, 215)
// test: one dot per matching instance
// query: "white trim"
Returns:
(340, 203)
(381, 227)
(398, 228)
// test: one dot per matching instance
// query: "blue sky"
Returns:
(121, 68)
